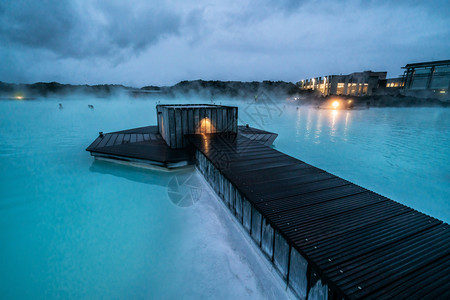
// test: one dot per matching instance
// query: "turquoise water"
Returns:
(75, 228)
(72, 227)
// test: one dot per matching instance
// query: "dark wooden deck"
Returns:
(262, 136)
(361, 244)
(145, 144)
(142, 144)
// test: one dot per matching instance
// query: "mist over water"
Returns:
(72, 227)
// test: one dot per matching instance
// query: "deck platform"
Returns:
(144, 145)
(328, 238)
(262, 136)
(139, 145)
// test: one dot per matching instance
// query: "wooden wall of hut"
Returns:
(175, 121)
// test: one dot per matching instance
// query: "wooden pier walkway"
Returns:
(329, 238)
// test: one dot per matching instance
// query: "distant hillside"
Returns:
(230, 89)
(49, 89)
(208, 89)
(212, 90)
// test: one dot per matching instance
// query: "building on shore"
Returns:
(427, 78)
(394, 82)
(389, 86)
(423, 80)
(354, 84)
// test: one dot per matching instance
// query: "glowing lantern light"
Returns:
(206, 126)
(335, 104)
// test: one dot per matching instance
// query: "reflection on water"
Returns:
(347, 118)
(334, 115)
(308, 123)
(318, 130)
(298, 121)
(136, 174)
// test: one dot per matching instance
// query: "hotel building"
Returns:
(355, 84)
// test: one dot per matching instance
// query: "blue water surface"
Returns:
(73, 228)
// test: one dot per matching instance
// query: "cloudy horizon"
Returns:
(139, 43)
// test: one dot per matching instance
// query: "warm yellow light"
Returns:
(205, 126)
(335, 104)
(19, 97)
(349, 101)
(205, 140)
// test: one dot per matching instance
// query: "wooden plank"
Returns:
(219, 121)
(126, 138)
(191, 121)
(95, 143)
(178, 129)
(172, 142)
(233, 119)
(185, 126)
(205, 122)
(236, 119)
(209, 120)
(112, 140)
(105, 140)
(229, 119)
(224, 120)
(159, 117)
(213, 120)
(119, 139)
(167, 126)
(197, 121)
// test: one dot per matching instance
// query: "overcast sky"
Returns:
(142, 42)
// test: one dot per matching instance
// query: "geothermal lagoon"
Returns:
(72, 227)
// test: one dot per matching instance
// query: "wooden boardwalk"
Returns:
(326, 236)
(258, 135)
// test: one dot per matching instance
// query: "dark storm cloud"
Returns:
(140, 42)
(36, 24)
(80, 29)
